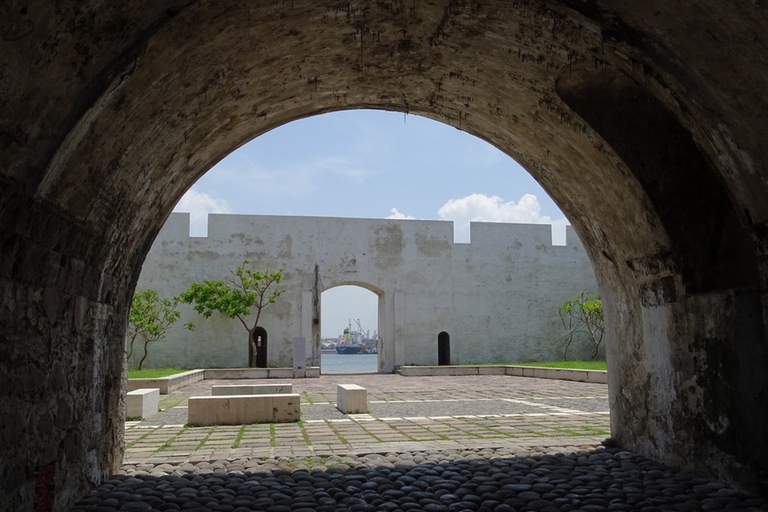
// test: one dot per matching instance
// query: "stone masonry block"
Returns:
(240, 409)
(142, 403)
(254, 389)
(351, 399)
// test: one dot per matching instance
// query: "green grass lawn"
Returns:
(153, 373)
(578, 365)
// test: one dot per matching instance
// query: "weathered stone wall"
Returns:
(644, 121)
(61, 371)
(496, 297)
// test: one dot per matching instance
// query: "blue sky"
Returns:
(370, 164)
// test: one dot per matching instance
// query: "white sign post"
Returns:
(299, 353)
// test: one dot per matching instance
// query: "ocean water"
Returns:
(348, 363)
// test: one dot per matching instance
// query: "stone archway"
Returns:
(386, 321)
(110, 113)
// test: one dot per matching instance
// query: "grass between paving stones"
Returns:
(167, 444)
(536, 433)
(585, 430)
(377, 438)
(153, 373)
(272, 440)
(440, 436)
(484, 427)
(406, 434)
(337, 433)
(304, 433)
(132, 443)
(307, 398)
(240, 433)
(575, 365)
(205, 439)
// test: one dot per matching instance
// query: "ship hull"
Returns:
(348, 350)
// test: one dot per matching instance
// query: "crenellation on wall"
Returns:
(572, 239)
(176, 228)
(496, 297)
(237, 229)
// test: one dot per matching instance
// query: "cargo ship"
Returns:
(356, 342)
(348, 349)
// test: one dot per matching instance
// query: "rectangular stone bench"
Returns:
(351, 399)
(254, 389)
(142, 403)
(168, 384)
(240, 409)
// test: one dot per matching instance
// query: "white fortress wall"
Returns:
(528, 278)
(496, 296)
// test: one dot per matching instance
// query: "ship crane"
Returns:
(364, 333)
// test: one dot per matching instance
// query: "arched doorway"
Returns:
(94, 160)
(262, 338)
(443, 349)
(350, 329)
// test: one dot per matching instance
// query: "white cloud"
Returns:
(483, 208)
(199, 205)
(396, 214)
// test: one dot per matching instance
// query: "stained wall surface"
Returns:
(496, 297)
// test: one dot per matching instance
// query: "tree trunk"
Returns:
(130, 348)
(254, 349)
(146, 351)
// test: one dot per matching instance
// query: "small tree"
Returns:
(583, 313)
(246, 292)
(150, 318)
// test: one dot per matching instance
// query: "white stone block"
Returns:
(168, 384)
(351, 399)
(253, 389)
(241, 409)
(142, 403)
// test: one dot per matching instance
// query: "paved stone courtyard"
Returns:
(405, 414)
(440, 444)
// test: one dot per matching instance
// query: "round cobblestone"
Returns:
(605, 480)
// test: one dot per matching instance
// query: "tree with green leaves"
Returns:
(246, 292)
(583, 313)
(150, 318)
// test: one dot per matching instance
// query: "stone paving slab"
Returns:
(405, 414)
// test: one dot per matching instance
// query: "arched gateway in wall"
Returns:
(645, 123)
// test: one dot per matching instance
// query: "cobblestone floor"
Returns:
(443, 444)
